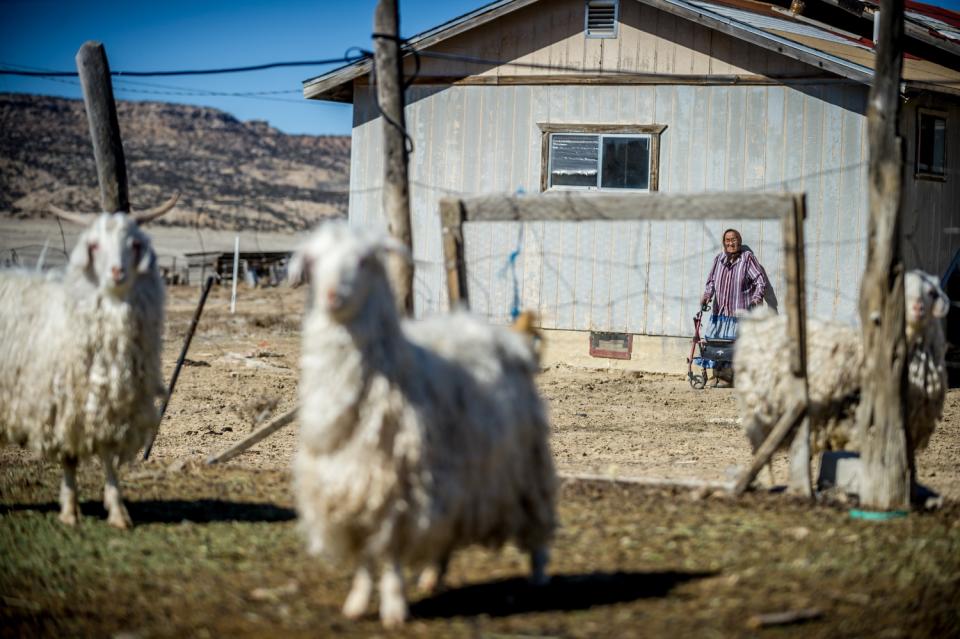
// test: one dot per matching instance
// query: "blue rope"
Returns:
(512, 264)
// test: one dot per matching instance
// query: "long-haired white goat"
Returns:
(835, 367)
(417, 438)
(81, 356)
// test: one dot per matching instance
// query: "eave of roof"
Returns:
(329, 86)
(337, 85)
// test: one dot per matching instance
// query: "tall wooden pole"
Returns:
(396, 190)
(885, 482)
(104, 127)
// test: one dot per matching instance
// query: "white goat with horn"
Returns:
(81, 354)
(417, 437)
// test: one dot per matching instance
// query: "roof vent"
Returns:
(601, 18)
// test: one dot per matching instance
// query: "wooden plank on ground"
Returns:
(254, 437)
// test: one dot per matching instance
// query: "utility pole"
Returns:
(886, 455)
(396, 190)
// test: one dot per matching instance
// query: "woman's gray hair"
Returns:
(735, 231)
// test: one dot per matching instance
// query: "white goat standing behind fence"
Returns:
(417, 438)
(81, 356)
(834, 370)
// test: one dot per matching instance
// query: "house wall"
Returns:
(930, 206)
(478, 137)
(639, 277)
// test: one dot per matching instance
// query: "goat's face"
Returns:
(925, 302)
(112, 253)
(343, 267)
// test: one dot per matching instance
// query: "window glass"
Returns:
(592, 161)
(626, 163)
(573, 160)
(931, 144)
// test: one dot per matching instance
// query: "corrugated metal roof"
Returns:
(769, 23)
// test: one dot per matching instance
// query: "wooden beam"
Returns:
(800, 480)
(396, 189)
(254, 437)
(798, 400)
(454, 263)
(580, 206)
(886, 455)
(627, 78)
(104, 127)
(781, 430)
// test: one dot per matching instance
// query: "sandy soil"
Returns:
(611, 423)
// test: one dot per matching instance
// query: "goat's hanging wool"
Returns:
(834, 369)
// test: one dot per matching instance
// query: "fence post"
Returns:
(104, 127)
(887, 456)
(396, 189)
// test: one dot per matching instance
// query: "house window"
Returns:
(601, 18)
(931, 144)
(605, 160)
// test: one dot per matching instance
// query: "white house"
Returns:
(646, 95)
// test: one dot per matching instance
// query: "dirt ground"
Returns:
(605, 422)
(215, 550)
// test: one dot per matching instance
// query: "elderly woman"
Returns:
(736, 282)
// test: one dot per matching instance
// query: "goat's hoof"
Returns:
(429, 581)
(393, 614)
(70, 517)
(120, 518)
(354, 607)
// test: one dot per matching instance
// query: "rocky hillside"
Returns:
(230, 174)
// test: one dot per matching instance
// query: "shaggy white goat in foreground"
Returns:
(81, 357)
(417, 438)
(835, 367)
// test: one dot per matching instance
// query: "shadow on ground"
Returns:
(564, 592)
(199, 511)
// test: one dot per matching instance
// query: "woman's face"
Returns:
(731, 243)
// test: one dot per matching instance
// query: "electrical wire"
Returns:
(186, 72)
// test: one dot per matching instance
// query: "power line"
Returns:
(185, 72)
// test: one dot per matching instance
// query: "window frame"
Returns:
(652, 131)
(927, 175)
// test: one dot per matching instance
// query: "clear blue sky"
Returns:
(191, 34)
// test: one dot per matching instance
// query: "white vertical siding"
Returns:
(645, 277)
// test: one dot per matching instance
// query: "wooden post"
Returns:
(254, 437)
(104, 127)
(798, 403)
(800, 482)
(886, 478)
(451, 220)
(396, 190)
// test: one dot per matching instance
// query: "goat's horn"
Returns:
(143, 217)
(77, 218)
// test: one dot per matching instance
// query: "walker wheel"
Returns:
(697, 382)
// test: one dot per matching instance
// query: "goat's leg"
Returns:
(431, 579)
(69, 509)
(539, 558)
(117, 515)
(359, 597)
(393, 602)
